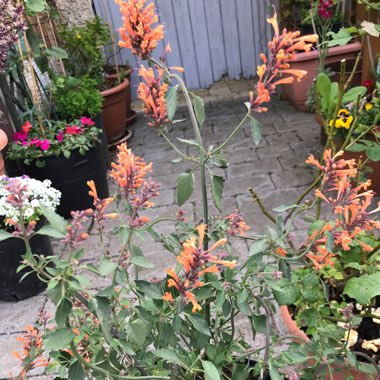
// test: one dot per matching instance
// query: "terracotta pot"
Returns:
(115, 111)
(339, 372)
(128, 70)
(3, 144)
(296, 92)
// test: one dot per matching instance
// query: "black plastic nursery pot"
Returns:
(70, 176)
(11, 252)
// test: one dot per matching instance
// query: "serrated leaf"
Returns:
(151, 290)
(137, 332)
(343, 37)
(4, 235)
(211, 372)
(106, 267)
(62, 312)
(217, 184)
(285, 207)
(189, 142)
(185, 187)
(50, 231)
(56, 221)
(171, 99)
(199, 324)
(58, 339)
(140, 261)
(363, 288)
(256, 131)
(199, 108)
(169, 355)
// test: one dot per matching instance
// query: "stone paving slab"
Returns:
(276, 169)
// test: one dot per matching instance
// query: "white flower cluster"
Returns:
(39, 192)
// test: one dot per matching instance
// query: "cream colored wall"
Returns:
(76, 12)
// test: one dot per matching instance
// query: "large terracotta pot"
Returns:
(3, 144)
(128, 70)
(115, 111)
(296, 92)
(339, 372)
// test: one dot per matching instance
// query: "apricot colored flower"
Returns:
(31, 345)
(129, 171)
(137, 32)
(236, 224)
(280, 251)
(276, 70)
(100, 204)
(152, 92)
(195, 262)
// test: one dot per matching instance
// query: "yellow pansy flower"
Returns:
(344, 119)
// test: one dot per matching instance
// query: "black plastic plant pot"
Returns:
(11, 252)
(70, 176)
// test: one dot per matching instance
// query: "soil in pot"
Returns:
(70, 176)
(11, 250)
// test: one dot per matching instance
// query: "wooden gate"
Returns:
(209, 38)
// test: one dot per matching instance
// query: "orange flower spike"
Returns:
(137, 32)
(167, 297)
(196, 307)
(201, 232)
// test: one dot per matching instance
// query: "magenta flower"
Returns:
(20, 136)
(325, 8)
(60, 136)
(45, 145)
(87, 121)
(36, 142)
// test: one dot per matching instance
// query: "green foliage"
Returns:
(76, 97)
(84, 46)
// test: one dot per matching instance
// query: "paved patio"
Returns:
(275, 169)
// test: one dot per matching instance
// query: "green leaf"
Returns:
(63, 311)
(140, 261)
(76, 371)
(285, 207)
(363, 288)
(199, 108)
(370, 28)
(151, 290)
(169, 355)
(288, 294)
(4, 235)
(57, 52)
(274, 374)
(352, 94)
(343, 37)
(55, 220)
(171, 99)
(323, 83)
(185, 187)
(50, 231)
(106, 267)
(137, 332)
(256, 131)
(189, 142)
(35, 6)
(199, 324)
(58, 339)
(217, 184)
(211, 372)
(373, 153)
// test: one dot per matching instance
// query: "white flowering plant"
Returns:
(38, 194)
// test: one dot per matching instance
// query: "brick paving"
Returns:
(275, 169)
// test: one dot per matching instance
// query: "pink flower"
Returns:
(20, 136)
(36, 142)
(87, 121)
(60, 136)
(27, 127)
(73, 130)
(45, 145)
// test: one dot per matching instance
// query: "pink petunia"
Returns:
(87, 121)
(73, 130)
(20, 136)
(45, 145)
(60, 136)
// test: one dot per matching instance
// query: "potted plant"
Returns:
(336, 299)
(323, 14)
(21, 203)
(350, 122)
(84, 47)
(69, 154)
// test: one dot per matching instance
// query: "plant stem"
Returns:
(261, 205)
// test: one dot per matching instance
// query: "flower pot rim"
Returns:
(114, 90)
(335, 50)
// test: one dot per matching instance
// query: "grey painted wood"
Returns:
(209, 38)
